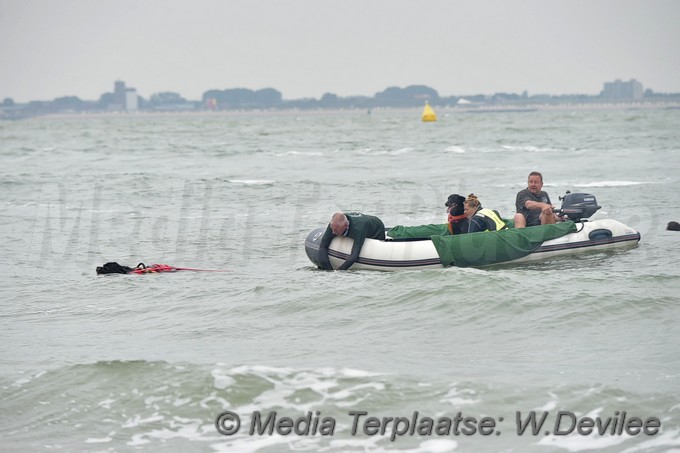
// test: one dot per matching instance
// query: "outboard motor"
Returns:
(578, 206)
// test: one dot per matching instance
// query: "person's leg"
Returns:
(520, 221)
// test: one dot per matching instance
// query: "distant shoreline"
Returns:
(519, 108)
(508, 108)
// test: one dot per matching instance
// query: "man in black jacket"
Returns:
(353, 225)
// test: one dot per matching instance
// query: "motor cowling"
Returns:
(577, 206)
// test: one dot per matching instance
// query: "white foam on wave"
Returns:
(281, 371)
(455, 150)
(308, 390)
(457, 397)
(346, 394)
(471, 270)
(252, 182)
(594, 413)
(221, 380)
(610, 184)
(577, 442)
(252, 444)
(25, 380)
(138, 421)
(204, 403)
(282, 394)
(191, 429)
(548, 406)
(353, 373)
(261, 369)
(370, 444)
(299, 153)
(435, 446)
(152, 400)
(100, 440)
(326, 383)
(106, 404)
(400, 151)
(181, 402)
(394, 152)
(526, 148)
(667, 438)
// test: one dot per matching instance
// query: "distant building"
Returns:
(130, 99)
(119, 94)
(124, 98)
(622, 90)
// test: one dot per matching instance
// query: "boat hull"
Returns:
(391, 255)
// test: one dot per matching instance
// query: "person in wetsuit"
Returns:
(352, 225)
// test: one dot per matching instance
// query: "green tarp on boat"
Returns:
(479, 249)
(420, 231)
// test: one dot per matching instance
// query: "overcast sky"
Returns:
(305, 48)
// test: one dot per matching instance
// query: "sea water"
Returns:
(129, 363)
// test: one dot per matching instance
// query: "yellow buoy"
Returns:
(428, 114)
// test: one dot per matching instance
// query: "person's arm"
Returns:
(323, 249)
(533, 205)
(547, 215)
(475, 225)
(524, 201)
(356, 250)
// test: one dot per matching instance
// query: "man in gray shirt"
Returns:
(533, 205)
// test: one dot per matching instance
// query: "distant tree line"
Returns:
(269, 99)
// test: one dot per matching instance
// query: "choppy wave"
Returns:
(149, 405)
(122, 363)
